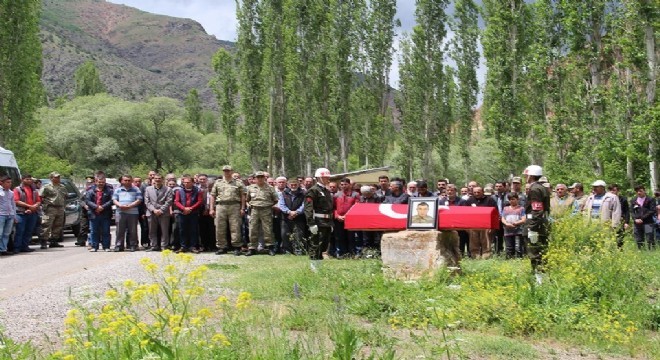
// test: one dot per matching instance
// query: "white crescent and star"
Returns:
(386, 209)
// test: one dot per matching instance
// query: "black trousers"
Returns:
(207, 232)
(319, 242)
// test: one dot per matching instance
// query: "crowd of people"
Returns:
(279, 215)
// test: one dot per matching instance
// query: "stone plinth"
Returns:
(410, 255)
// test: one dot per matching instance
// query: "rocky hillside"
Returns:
(138, 54)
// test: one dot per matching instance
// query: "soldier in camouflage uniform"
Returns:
(53, 198)
(228, 195)
(537, 209)
(318, 212)
(261, 197)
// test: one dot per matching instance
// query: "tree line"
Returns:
(570, 85)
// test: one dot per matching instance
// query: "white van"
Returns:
(9, 167)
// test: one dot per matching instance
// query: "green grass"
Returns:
(499, 347)
(595, 297)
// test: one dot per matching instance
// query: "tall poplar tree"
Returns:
(250, 60)
(379, 31)
(225, 87)
(464, 52)
(505, 43)
(585, 23)
(424, 118)
(193, 106)
(274, 74)
(20, 70)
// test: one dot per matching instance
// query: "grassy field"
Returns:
(596, 302)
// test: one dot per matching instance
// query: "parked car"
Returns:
(73, 210)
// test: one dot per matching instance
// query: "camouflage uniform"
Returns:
(53, 203)
(261, 201)
(228, 195)
(318, 211)
(537, 209)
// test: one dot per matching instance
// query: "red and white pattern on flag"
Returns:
(392, 217)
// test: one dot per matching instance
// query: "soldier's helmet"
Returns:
(533, 170)
(322, 172)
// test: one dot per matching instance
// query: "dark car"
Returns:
(73, 210)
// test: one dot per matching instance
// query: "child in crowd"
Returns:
(513, 218)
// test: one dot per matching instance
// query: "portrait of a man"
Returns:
(422, 213)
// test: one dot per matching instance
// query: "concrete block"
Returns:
(411, 255)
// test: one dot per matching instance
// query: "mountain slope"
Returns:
(137, 53)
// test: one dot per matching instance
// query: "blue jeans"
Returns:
(188, 230)
(24, 229)
(99, 231)
(6, 225)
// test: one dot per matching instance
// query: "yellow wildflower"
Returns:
(111, 294)
(243, 301)
(221, 339)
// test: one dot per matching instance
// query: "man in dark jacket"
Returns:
(537, 209)
(480, 240)
(319, 208)
(292, 207)
(98, 200)
(397, 195)
(643, 208)
(625, 214)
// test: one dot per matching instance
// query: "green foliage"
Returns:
(36, 160)
(226, 91)
(21, 91)
(193, 106)
(102, 132)
(88, 80)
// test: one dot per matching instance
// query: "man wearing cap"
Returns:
(228, 195)
(577, 189)
(53, 201)
(319, 208)
(603, 206)
(537, 212)
(516, 187)
(27, 201)
(261, 197)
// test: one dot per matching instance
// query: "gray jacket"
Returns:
(610, 209)
(158, 199)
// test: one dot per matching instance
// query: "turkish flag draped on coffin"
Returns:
(389, 217)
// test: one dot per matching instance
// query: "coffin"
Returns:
(393, 217)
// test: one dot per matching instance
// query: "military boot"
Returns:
(81, 241)
(44, 243)
(55, 242)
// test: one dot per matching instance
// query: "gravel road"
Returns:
(35, 288)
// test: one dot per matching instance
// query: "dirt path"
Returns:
(35, 288)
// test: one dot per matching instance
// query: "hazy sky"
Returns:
(218, 17)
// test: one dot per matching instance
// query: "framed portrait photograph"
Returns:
(422, 213)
